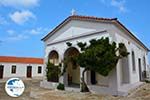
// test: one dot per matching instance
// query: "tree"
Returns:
(52, 72)
(99, 56)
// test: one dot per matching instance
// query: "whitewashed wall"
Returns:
(76, 28)
(21, 70)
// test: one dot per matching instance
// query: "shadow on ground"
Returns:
(34, 92)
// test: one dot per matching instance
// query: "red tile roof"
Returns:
(28, 60)
(92, 18)
(77, 17)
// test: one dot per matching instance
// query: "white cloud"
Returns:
(21, 17)
(16, 37)
(13, 35)
(119, 4)
(38, 31)
(19, 3)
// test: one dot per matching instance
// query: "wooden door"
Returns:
(93, 77)
(140, 71)
(29, 71)
(1, 71)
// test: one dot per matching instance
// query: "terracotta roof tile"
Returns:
(78, 17)
(9, 59)
(92, 18)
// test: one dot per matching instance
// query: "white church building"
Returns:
(129, 72)
(21, 67)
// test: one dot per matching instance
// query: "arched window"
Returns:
(133, 61)
(53, 57)
(52, 71)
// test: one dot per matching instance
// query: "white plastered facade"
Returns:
(122, 78)
(21, 70)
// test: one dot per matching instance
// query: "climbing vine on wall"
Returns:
(53, 72)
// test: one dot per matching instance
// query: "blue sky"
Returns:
(24, 22)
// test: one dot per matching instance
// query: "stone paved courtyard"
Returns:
(34, 92)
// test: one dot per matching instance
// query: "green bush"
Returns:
(61, 86)
(52, 72)
(147, 81)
